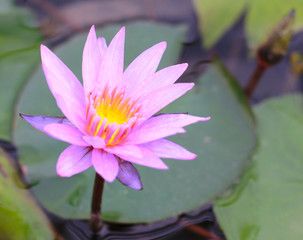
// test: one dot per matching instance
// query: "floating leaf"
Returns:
(19, 55)
(15, 69)
(223, 144)
(216, 17)
(267, 202)
(20, 216)
(16, 28)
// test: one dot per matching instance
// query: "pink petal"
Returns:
(167, 149)
(39, 122)
(95, 142)
(105, 164)
(169, 75)
(111, 69)
(65, 87)
(125, 150)
(102, 46)
(173, 120)
(143, 66)
(148, 159)
(161, 126)
(129, 176)
(158, 99)
(65, 133)
(58, 127)
(147, 133)
(91, 61)
(162, 78)
(73, 160)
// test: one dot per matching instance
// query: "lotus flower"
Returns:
(109, 120)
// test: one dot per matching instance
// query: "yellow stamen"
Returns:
(113, 110)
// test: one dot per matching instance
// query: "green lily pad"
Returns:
(216, 17)
(19, 55)
(17, 28)
(267, 202)
(223, 144)
(15, 69)
(20, 216)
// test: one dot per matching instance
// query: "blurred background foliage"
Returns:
(249, 155)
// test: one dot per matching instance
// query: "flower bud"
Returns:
(296, 61)
(276, 45)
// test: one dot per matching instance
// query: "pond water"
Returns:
(200, 224)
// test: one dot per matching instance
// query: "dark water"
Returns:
(199, 224)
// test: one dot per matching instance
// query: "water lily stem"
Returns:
(95, 222)
(254, 80)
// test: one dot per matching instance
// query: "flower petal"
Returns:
(143, 66)
(95, 142)
(167, 149)
(129, 176)
(91, 61)
(161, 126)
(151, 133)
(126, 150)
(65, 87)
(169, 75)
(102, 46)
(158, 99)
(39, 121)
(148, 159)
(173, 120)
(111, 69)
(73, 160)
(65, 133)
(57, 127)
(105, 164)
(162, 78)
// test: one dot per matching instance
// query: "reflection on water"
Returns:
(194, 225)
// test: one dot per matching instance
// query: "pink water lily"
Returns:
(109, 121)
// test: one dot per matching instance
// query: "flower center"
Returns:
(114, 107)
(111, 115)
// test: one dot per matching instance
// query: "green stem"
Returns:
(254, 80)
(95, 222)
